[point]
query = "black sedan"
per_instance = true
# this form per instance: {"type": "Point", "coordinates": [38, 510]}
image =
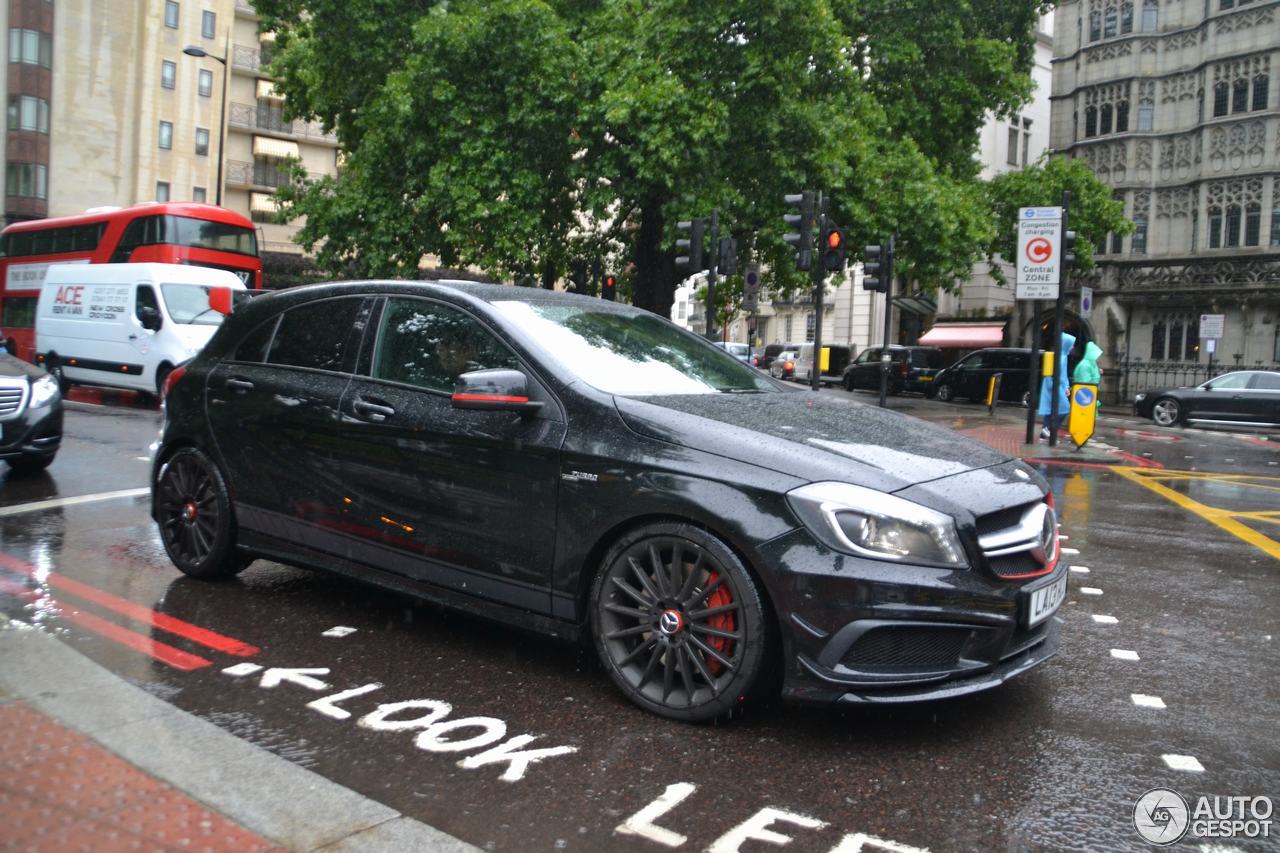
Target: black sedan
{"type": "Point", "coordinates": [30, 415]}
{"type": "Point", "coordinates": [1245, 398]}
{"type": "Point", "coordinates": [589, 470]}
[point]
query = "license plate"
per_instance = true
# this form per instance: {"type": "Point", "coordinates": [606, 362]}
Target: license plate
{"type": "Point", "coordinates": [926, 378]}
{"type": "Point", "coordinates": [1045, 601]}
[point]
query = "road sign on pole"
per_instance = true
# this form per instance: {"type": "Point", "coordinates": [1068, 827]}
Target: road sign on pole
{"type": "Point", "coordinates": [1086, 302]}
{"type": "Point", "coordinates": [1039, 262]}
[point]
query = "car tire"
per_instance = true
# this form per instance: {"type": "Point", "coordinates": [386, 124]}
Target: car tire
{"type": "Point", "coordinates": [30, 463]}
{"type": "Point", "coordinates": [848, 383]}
{"type": "Point", "coordinates": [945, 393]}
{"type": "Point", "coordinates": [1166, 412]}
{"type": "Point", "coordinates": [193, 510]}
{"type": "Point", "coordinates": [679, 623]}
{"type": "Point", "coordinates": [53, 365]}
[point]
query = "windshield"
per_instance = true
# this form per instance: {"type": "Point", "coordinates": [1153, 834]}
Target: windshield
{"type": "Point", "coordinates": [631, 354]}
{"type": "Point", "coordinates": [189, 304]}
{"type": "Point", "coordinates": [738, 349]}
{"type": "Point", "coordinates": [218, 236]}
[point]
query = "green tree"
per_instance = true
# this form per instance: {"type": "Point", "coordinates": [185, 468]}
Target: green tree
{"type": "Point", "coordinates": [1092, 215]}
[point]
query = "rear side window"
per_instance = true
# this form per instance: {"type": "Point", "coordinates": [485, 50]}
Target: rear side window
{"type": "Point", "coordinates": [926, 358]}
{"type": "Point", "coordinates": [1266, 381]}
{"type": "Point", "coordinates": [316, 335]}
{"type": "Point", "coordinates": [254, 347]}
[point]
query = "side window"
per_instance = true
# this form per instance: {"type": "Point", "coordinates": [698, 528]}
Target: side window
{"type": "Point", "coordinates": [1013, 361]}
{"type": "Point", "coordinates": [316, 335]}
{"type": "Point", "coordinates": [1266, 382]}
{"type": "Point", "coordinates": [130, 240]}
{"type": "Point", "coordinates": [254, 346]}
{"type": "Point", "coordinates": [973, 362]}
{"type": "Point", "coordinates": [1231, 382]}
{"type": "Point", "coordinates": [428, 344]}
{"type": "Point", "coordinates": [146, 299]}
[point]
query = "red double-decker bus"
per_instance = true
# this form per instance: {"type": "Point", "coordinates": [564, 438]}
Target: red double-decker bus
{"type": "Point", "coordinates": [159, 232]}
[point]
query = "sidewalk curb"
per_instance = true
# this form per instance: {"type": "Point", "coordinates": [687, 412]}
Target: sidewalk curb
{"type": "Point", "coordinates": [284, 803]}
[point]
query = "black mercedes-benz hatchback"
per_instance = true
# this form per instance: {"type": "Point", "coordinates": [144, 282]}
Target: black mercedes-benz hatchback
{"type": "Point", "coordinates": [587, 469]}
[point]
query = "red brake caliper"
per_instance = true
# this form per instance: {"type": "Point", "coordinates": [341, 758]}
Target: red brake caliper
{"type": "Point", "coordinates": [721, 622]}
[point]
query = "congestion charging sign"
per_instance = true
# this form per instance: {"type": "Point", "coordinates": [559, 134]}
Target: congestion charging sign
{"type": "Point", "coordinates": [1039, 261]}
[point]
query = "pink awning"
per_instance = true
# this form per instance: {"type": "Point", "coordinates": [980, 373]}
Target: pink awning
{"type": "Point", "coordinates": [964, 336]}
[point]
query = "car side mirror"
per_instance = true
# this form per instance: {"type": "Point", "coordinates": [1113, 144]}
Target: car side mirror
{"type": "Point", "coordinates": [498, 390]}
{"type": "Point", "coordinates": [150, 318]}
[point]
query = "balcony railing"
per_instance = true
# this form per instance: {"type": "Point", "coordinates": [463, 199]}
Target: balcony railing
{"type": "Point", "coordinates": [261, 174]}
{"type": "Point", "coordinates": [249, 58]}
{"type": "Point", "coordinates": [260, 117]}
{"type": "Point", "coordinates": [246, 8]}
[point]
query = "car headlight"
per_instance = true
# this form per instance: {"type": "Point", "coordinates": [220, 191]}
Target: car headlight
{"type": "Point", "coordinates": [43, 390]}
{"type": "Point", "coordinates": [1138, 398]}
{"type": "Point", "coordinates": [856, 520]}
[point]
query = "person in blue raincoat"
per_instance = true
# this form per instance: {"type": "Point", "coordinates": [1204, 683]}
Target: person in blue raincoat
{"type": "Point", "coordinates": [1046, 386]}
{"type": "Point", "coordinates": [1087, 371]}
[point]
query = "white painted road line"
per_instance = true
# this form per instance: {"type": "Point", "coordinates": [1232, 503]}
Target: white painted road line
{"type": "Point", "coordinates": [1071, 550]}
{"type": "Point", "coordinates": [1183, 762]}
{"type": "Point", "coordinates": [1090, 590]}
{"type": "Point", "coordinates": [1064, 537]}
{"type": "Point", "coordinates": [18, 509]}
{"type": "Point", "coordinates": [1080, 570]}
{"type": "Point", "coordinates": [338, 631]}
{"type": "Point", "coordinates": [242, 669]}
{"type": "Point", "coordinates": [1103, 619]}
{"type": "Point", "coordinates": [1124, 654]}
{"type": "Point", "coordinates": [1142, 700]}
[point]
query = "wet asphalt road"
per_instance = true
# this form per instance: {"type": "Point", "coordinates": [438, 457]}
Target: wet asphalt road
{"type": "Point", "coordinates": [1054, 760]}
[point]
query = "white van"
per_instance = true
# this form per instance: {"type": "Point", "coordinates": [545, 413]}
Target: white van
{"type": "Point", "coordinates": [128, 325]}
{"type": "Point", "coordinates": [838, 358]}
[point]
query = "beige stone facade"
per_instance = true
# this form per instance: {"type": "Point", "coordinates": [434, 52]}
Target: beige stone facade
{"type": "Point", "coordinates": [131, 118]}
{"type": "Point", "coordinates": [1176, 105]}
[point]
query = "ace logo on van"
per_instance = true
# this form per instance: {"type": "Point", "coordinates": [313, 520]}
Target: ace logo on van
{"type": "Point", "coordinates": [70, 299]}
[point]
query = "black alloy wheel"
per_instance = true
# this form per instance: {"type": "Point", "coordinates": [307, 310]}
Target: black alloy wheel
{"type": "Point", "coordinates": [945, 393]}
{"type": "Point", "coordinates": [679, 623]}
{"type": "Point", "coordinates": [194, 513]}
{"type": "Point", "coordinates": [848, 382]}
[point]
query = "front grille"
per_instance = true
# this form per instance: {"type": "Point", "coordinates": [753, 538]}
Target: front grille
{"type": "Point", "coordinates": [1013, 540]}
{"type": "Point", "coordinates": [1013, 565]}
{"type": "Point", "coordinates": [12, 399]}
{"type": "Point", "coordinates": [906, 648]}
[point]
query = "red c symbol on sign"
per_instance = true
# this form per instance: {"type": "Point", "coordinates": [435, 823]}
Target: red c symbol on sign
{"type": "Point", "coordinates": [1039, 250]}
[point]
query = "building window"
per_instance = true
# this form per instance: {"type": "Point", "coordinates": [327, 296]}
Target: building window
{"type": "Point", "coordinates": [1122, 117]}
{"type": "Point", "coordinates": [1146, 115]}
{"type": "Point", "coordinates": [1126, 18]}
{"type": "Point", "coordinates": [809, 328]}
{"type": "Point", "coordinates": [30, 47]}
{"type": "Point", "coordinates": [1150, 15]}
{"type": "Point", "coordinates": [1117, 244]}
{"type": "Point", "coordinates": [1252, 224]}
{"type": "Point", "coordinates": [1215, 228]}
{"type": "Point", "coordinates": [28, 113]}
{"type": "Point", "coordinates": [166, 135]}
{"type": "Point", "coordinates": [168, 74]}
{"type": "Point", "coordinates": [205, 86]}
{"type": "Point", "coordinates": [786, 330]}
{"type": "Point", "coordinates": [1012, 158]}
{"type": "Point", "coordinates": [1221, 98]}
{"type": "Point", "coordinates": [1090, 122]}
{"type": "Point", "coordinates": [199, 194]}
{"type": "Point", "coordinates": [208, 22]}
{"type": "Point", "coordinates": [1195, 229]}
{"type": "Point", "coordinates": [162, 190]}
{"type": "Point", "coordinates": [29, 180]}
{"type": "Point", "coordinates": [1138, 245]}
{"type": "Point", "coordinates": [1227, 4]}
{"type": "Point", "coordinates": [1026, 140]}
{"type": "Point", "coordinates": [1233, 226]}
{"type": "Point", "coordinates": [1275, 223]}
{"type": "Point", "coordinates": [1109, 22]}
{"type": "Point", "coordinates": [1260, 86]}
{"type": "Point", "coordinates": [1157, 340]}
{"type": "Point", "coordinates": [1240, 96]}
{"type": "Point", "coordinates": [1192, 350]}
{"type": "Point", "coordinates": [202, 141]}
{"type": "Point", "coordinates": [1095, 26]}
{"type": "Point", "coordinates": [1105, 126]}
{"type": "Point", "coordinates": [171, 14]}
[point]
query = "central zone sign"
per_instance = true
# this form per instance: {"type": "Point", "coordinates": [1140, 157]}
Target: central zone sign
{"type": "Point", "coordinates": [1038, 262]}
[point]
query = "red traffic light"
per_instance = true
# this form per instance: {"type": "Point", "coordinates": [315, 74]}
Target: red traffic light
{"type": "Point", "coordinates": [834, 238]}
{"type": "Point", "coordinates": [609, 281]}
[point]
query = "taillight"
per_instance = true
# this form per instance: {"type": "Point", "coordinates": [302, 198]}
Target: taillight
{"type": "Point", "coordinates": [903, 370]}
{"type": "Point", "coordinates": [788, 366]}
{"type": "Point", "coordinates": [171, 380]}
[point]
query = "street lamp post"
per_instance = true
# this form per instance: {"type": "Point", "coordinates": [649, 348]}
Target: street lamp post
{"type": "Point", "coordinates": [196, 51]}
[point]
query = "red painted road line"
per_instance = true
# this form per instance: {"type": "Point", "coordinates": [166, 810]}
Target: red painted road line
{"type": "Point", "coordinates": [166, 654]}
{"type": "Point", "coordinates": [17, 590]}
{"type": "Point", "coordinates": [1140, 461]}
{"type": "Point", "coordinates": [147, 616]}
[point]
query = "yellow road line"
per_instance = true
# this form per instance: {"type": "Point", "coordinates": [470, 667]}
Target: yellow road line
{"type": "Point", "coordinates": [1222, 518]}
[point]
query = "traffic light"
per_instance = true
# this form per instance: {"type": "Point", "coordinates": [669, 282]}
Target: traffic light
{"type": "Point", "coordinates": [833, 256]}
{"type": "Point", "coordinates": [802, 237]}
{"type": "Point", "coordinates": [691, 260]}
{"type": "Point", "coordinates": [877, 269]}
{"type": "Point", "coordinates": [1068, 249]}
{"type": "Point", "coordinates": [728, 256]}
{"type": "Point", "coordinates": [610, 288]}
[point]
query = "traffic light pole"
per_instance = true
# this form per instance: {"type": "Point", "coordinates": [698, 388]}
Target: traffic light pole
{"type": "Point", "coordinates": [1059, 369]}
{"type": "Point", "coordinates": [885, 359]}
{"type": "Point", "coordinates": [819, 284]}
{"type": "Point", "coordinates": [1033, 373]}
{"type": "Point", "coordinates": [714, 274]}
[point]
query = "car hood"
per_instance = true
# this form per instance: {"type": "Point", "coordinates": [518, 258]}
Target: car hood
{"type": "Point", "coordinates": [13, 367]}
{"type": "Point", "coordinates": [810, 436]}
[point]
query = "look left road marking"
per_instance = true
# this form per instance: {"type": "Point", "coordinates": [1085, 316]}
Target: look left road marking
{"type": "Point", "coordinates": [37, 506]}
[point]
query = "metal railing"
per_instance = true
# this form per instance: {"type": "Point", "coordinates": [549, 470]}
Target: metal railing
{"type": "Point", "coordinates": [261, 117]}
{"type": "Point", "coordinates": [261, 174]}
{"type": "Point", "coordinates": [1120, 383]}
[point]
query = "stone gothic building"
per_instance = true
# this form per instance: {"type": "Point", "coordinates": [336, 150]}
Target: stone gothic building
{"type": "Point", "coordinates": [1174, 104]}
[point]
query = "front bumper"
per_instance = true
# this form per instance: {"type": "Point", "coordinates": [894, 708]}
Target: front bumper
{"type": "Point", "coordinates": [866, 631]}
{"type": "Point", "coordinates": [35, 432]}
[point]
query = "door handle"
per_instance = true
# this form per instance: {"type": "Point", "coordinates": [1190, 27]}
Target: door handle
{"type": "Point", "coordinates": [373, 411]}
{"type": "Point", "coordinates": [239, 384]}
{"type": "Point", "coordinates": [133, 337]}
